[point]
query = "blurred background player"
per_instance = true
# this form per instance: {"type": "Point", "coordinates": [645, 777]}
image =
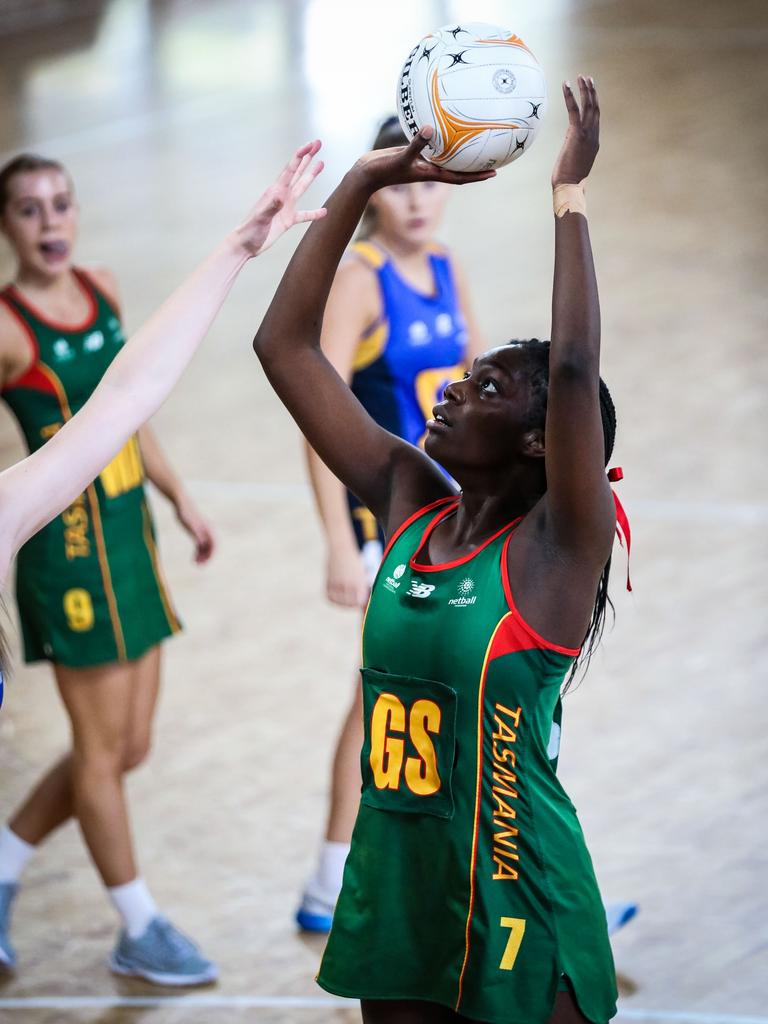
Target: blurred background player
{"type": "Point", "coordinates": [398, 327]}
{"type": "Point", "coordinates": [90, 592]}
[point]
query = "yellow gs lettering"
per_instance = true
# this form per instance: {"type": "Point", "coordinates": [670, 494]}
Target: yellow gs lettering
{"type": "Point", "coordinates": [389, 724]}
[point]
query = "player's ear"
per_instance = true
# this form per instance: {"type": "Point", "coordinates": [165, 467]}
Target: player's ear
{"type": "Point", "coordinates": [533, 444]}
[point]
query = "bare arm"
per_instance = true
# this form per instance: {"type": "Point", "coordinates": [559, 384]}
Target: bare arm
{"type": "Point", "coordinates": [359, 452]}
{"type": "Point", "coordinates": [162, 475]}
{"type": "Point", "coordinates": [353, 304]}
{"type": "Point", "coordinates": [36, 489]}
{"type": "Point", "coordinates": [578, 500]}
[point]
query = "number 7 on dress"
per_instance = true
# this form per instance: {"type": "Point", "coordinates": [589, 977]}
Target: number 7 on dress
{"type": "Point", "coordinates": [517, 930]}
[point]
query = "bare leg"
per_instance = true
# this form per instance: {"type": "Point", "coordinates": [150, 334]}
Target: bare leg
{"type": "Point", "coordinates": [345, 778]}
{"type": "Point", "coordinates": [406, 1011]}
{"type": "Point", "coordinates": [48, 806]}
{"type": "Point", "coordinates": [51, 802]}
{"type": "Point", "coordinates": [412, 1011]}
{"type": "Point", "coordinates": [566, 1011]}
{"type": "Point", "coordinates": [144, 696]}
{"type": "Point", "coordinates": [322, 889]}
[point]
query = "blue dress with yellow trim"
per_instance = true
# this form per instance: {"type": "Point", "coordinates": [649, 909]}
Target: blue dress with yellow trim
{"type": "Point", "coordinates": [405, 359]}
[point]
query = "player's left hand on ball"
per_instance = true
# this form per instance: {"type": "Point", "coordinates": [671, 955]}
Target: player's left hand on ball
{"type": "Point", "coordinates": [582, 140]}
{"type": "Point", "coordinates": [196, 526]}
{"type": "Point", "coordinates": [402, 164]}
{"type": "Point", "coordinates": [276, 211]}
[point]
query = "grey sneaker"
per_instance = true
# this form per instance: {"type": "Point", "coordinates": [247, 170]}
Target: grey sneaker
{"type": "Point", "coordinates": [8, 891]}
{"type": "Point", "coordinates": [162, 955]}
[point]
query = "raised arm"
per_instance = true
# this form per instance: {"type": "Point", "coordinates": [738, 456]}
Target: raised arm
{"type": "Point", "coordinates": [359, 452]}
{"type": "Point", "coordinates": [36, 489]}
{"type": "Point", "coordinates": [354, 303]}
{"type": "Point", "coordinates": [579, 503]}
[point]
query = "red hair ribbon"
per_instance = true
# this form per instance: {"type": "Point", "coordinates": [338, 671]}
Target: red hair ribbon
{"type": "Point", "coordinates": [623, 531]}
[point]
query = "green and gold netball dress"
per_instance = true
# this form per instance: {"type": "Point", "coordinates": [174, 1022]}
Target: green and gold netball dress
{"type": "Point", "coordinates": [468, 882]}
{"type": "Point", "coordinates": [88, 585]}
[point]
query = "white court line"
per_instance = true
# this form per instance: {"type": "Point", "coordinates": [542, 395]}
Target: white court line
{"type": "Point", "coordinates": [730, 513]}
{"type": "Point", "coordinates": [190, 1002]}
{"type": "Point", "coordinates": [309, 1003]}
{"type": "Point", "coordinates": [681, 1017]}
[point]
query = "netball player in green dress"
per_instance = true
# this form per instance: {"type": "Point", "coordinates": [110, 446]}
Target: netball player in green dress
{"type": "Point", "coordinates": [469, 893]}
{"type": "Point", "coordinates": [89, 589]}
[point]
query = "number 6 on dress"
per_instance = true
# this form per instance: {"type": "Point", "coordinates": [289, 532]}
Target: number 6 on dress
{"type": "Point", "coordinates": [517, 930]}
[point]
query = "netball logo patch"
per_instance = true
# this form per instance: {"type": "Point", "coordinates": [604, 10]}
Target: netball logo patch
{"type": "Point", "coordinates": [464, 590]}
{"type": "Point", "coordinates": [391, 583]}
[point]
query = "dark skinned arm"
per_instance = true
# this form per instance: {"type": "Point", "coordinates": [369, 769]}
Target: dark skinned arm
{"type": "Point", "coordinates": [567, 540]}
{"type": "Point", "coordinates": [389, 475]}
{"type": "Point", "coordinates": [579, 505]}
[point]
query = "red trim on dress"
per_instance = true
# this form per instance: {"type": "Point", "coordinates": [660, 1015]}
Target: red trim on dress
{"type": "Point", "coordinates": [89, 321]}
{"type": "Point", "coordinates": [572, 652]}
{"type": "Point", "coordinates": [456, 561]}
{"type": "Point", "coordinates": [90, 282]}
{"type": "Point", "coordinates": [404, 526]}
{"type": "Point", "coordinates": [478, 807]}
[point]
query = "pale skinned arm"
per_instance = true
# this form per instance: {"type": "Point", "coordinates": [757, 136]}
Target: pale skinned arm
{"type": "Point", "coordinates": [353, 304]}
{"type": "Point", "coordinates": [140, 378]}
{"type": "Point", "coordinates": [159, 470]}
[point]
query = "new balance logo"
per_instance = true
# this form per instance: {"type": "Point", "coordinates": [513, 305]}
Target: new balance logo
{"type": "Point", "coordinates": [419, 589]}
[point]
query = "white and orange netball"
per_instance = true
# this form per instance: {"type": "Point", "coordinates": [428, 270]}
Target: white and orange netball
{"type": "Point", "coordinates": [482, 91]}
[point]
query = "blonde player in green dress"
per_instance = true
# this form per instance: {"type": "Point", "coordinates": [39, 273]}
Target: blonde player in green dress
{"type": "Point", "coordinates": [469, 893]}
{"type": "Point", "coordinates": [90, 592]}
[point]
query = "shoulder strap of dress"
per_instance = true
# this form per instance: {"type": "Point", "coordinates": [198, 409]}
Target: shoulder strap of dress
{"type": "Point", "coordinates": [89, 283]}
{"type": "Point", "coordinates": [414, 517]}
{"type": "Point", "coordinates": [11, 298]}
{"type": "Point", "coordinates": [369, 254]}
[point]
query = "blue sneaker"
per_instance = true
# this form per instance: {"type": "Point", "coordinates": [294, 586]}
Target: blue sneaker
{"type": "Point", "coordinates": [314, 914]}
{"type": "Point", "coordinates": [162, 955]}
{"type": "Point", "coordinates": [618, 914]}
{"type": "Point", "coordinates": [8, 891]}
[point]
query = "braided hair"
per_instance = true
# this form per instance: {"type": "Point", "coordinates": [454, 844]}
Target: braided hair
{"type": "Point", "coordinates": [537, 365]}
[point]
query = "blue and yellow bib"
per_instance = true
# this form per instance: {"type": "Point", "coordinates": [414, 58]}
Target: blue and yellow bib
{"type": "Point", "coordinates": [417, 346]}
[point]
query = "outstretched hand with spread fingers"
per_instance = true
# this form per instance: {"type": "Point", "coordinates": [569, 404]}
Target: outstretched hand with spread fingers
{"type": "Point", "coordinates": [582, 140]}
{"type": "Point", "coordinates": [276, 210]}
{"type": "Point", "coordinates": [401, 164]}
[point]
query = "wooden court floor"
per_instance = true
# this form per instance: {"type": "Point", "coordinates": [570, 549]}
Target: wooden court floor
{"type": "Point", "coordinates": [171, 117]}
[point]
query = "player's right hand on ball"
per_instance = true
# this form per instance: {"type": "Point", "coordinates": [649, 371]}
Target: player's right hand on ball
{"type": "Point", "coordinates": [402, 164]}
{"type": "Point", "coordinates": [276, 211]}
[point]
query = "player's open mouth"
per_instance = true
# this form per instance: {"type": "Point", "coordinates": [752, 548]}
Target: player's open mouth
{"type": "Point", "coordinates": [55, 250]}
{"type": "Point", "coordinates": [438, 421]}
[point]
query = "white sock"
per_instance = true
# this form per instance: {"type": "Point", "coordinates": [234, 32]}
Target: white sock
{"type": "Point", "coordinates": [326, 882]}
{"type": "Point", "coordinates": [15, 852]}
{"type": "Point", "coordinates": [134, 904]}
